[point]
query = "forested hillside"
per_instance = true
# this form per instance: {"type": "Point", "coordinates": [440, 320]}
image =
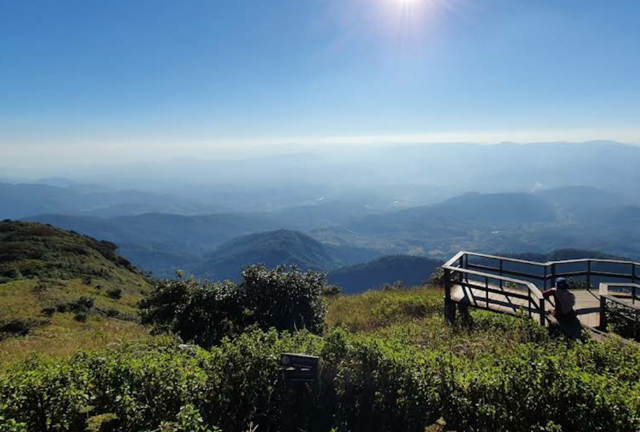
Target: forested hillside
{"type": "Point", "coordinates": [406, 269]}
{"type": "Point", "coordinates": [274, 248]}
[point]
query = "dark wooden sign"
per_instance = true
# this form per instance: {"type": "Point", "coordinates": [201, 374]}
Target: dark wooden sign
{"type": "Point", "coordinates": [299, 367]}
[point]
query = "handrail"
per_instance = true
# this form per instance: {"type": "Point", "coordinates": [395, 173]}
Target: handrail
{"type": "Point", "coordinates": [548, 263]}
{"type": "Point", "coordinates": [529, 285]}
{"type": "Point", "coordinates": [462, 259]}
{"type": "Point", "coordinates": [461, 264]}
{"type": "Point", "coordinates": [606, 296]}
{"type": "Point", "coordinates": [455, 265]}
{"type": "Point", "coordinates": [620, 302]}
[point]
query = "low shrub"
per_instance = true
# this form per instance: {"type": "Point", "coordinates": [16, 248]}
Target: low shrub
{"type": "Point", "coordinates": [115, 293]}
{"type": "Point", "coordinates": [112, 313]}
{"type": "Point", "coordinates": [204, 313]}
{"type": "Point", "coordinates": [81, 305]}
{"type": "Point", "coordinates": [48, 311]}
{"type": "Point", "coordinates": [17, 327]}
{"type": "Point", "coordinates": [365, 383]}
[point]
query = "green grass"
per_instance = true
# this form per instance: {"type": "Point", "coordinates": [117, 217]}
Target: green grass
{"type": "Point", "coordinates": [44, 269]}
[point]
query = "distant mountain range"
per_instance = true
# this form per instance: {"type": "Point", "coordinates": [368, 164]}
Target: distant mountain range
{"type": "Point", "coordinates": [571, 217]}
{"type": "Point", "coordinates": [66, 197]}
{"type": "Point", "coordinates": [352, 208]}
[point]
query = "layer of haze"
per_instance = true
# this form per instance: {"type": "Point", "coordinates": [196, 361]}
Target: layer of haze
{"type": "Point", "coordinates": [120, 81]}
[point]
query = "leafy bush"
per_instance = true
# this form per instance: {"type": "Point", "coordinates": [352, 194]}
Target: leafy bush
{"type": "Point", "coordinates": [112, 313]}
{"type": "Point", "coordinates": [17, 327]}
{"type": "Point", "coordinates": [204, 312]}
{"type": "Point", "coordinates": [48, 311]}
{"type": "Point", "coordinates": [366, 383]}
{"type": "Point", "coordinates": [331, 291]}
{"type": "Point", "coordinates": [499, 373]}
{"type": "Point", "coordinates": [81, 305]}
{"type": "Point", "coordinates": [115, 293]}
{"type": "Point", "coordinates": [285, 300]}
{"type": "Point", "coordinates": [437, 277]}
{"type": "Point", "coordinates": [622, 321]}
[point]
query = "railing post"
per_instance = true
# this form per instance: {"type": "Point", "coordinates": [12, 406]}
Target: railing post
{"type": "Point", "coordinates": [449, 306]}
{"type": "Point", "coordinates": [486, 285]}
{"type": "Point", "coordinates": [543, 314]}
{"type": "Point", "coordinates": [501, 271]}
{"type": "Point", "coordinates": [529, 307]}
{"type": "Point", "coordinates": [545, 278]}
{"type": "Point", "coordinates": [603, 314]}
{"type": "Point", "coordinates": [589, 274]}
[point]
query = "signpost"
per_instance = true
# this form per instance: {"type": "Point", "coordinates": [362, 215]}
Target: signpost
{"type": "Point", "coordinates": [299, 367]}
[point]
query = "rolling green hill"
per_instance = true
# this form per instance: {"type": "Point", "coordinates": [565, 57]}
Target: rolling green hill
{"type": "Point", "coordinates": [63, 290]}
{"type": "Point", "coordinates": [271, 248]}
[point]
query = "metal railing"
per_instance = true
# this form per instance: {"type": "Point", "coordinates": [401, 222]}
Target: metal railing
{"type": "Point", "coordinates": [624, 296]}
{"type": "Point", "coordinates": [470, 270]}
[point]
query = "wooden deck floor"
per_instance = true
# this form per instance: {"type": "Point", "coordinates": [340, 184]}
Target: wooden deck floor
{"type": "Point", "coordinates": [587, 302]}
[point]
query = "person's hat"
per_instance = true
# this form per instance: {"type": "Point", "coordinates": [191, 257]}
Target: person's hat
{"type": "Point", "coordinates": [561, 283]}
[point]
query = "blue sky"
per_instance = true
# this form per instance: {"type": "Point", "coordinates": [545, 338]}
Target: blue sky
{"type": "Point", "coordinates": [171, 76]}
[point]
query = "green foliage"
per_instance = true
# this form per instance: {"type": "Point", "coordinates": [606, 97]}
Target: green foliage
{"type": "Point", "coordinates": [199, 312]}
{"type": "Point", "coordinates": [271, 248]}
{"type": "Point", "coordinates": [622, 321]}
{"type": "Point", "coordinates": [331, 291]}
{"type": "Point", "coordinates": [401, 369]}
{"type": "Point", "coordinates": [18, 327]}
{"type": "Point", "coordinates": [366, 383]}
{"type": "Point", "coordinates": [115, 293]}
{"type": "Point", "coordinates": [437, 277]}
{"type": "Point", "coordinates": [205, 313]}
{"type": "Point", "coordinates": [32, 250]}
{"type": "Point", "coordinates": [81, 317]}
{"type": "Point", "coordinates": [285, 300]}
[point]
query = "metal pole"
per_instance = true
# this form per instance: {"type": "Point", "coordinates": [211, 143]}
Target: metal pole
{"type": "Point", "coordinates": [543, 314]}
{"type": "Point", "coordinates": [589, 274]}
{"type": "Point", "coordinates": [449, 307]}
{"type": "Point", "coordinates": [486, 284]}
{"type": "Point", "coordinates": [603, 314]}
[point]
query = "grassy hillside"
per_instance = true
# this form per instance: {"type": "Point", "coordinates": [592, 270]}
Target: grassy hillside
{"type": "Point", "coordinates": [60, 290]}
{"type": "Point", "coordinates": [272, 248]}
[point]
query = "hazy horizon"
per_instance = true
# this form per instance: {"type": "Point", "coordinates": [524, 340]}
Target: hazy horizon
{"type": "Point", "coordinates": [86, 83]}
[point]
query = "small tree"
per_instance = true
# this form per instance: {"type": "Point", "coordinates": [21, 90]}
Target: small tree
{"type": "Point", "coordinates": [205, 312]}
{"type": "Point", "coordinates": [286, 300]}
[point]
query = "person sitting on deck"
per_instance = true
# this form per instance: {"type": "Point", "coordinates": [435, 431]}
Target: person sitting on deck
{"type": "Point", "coordinates": [565, 301]}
